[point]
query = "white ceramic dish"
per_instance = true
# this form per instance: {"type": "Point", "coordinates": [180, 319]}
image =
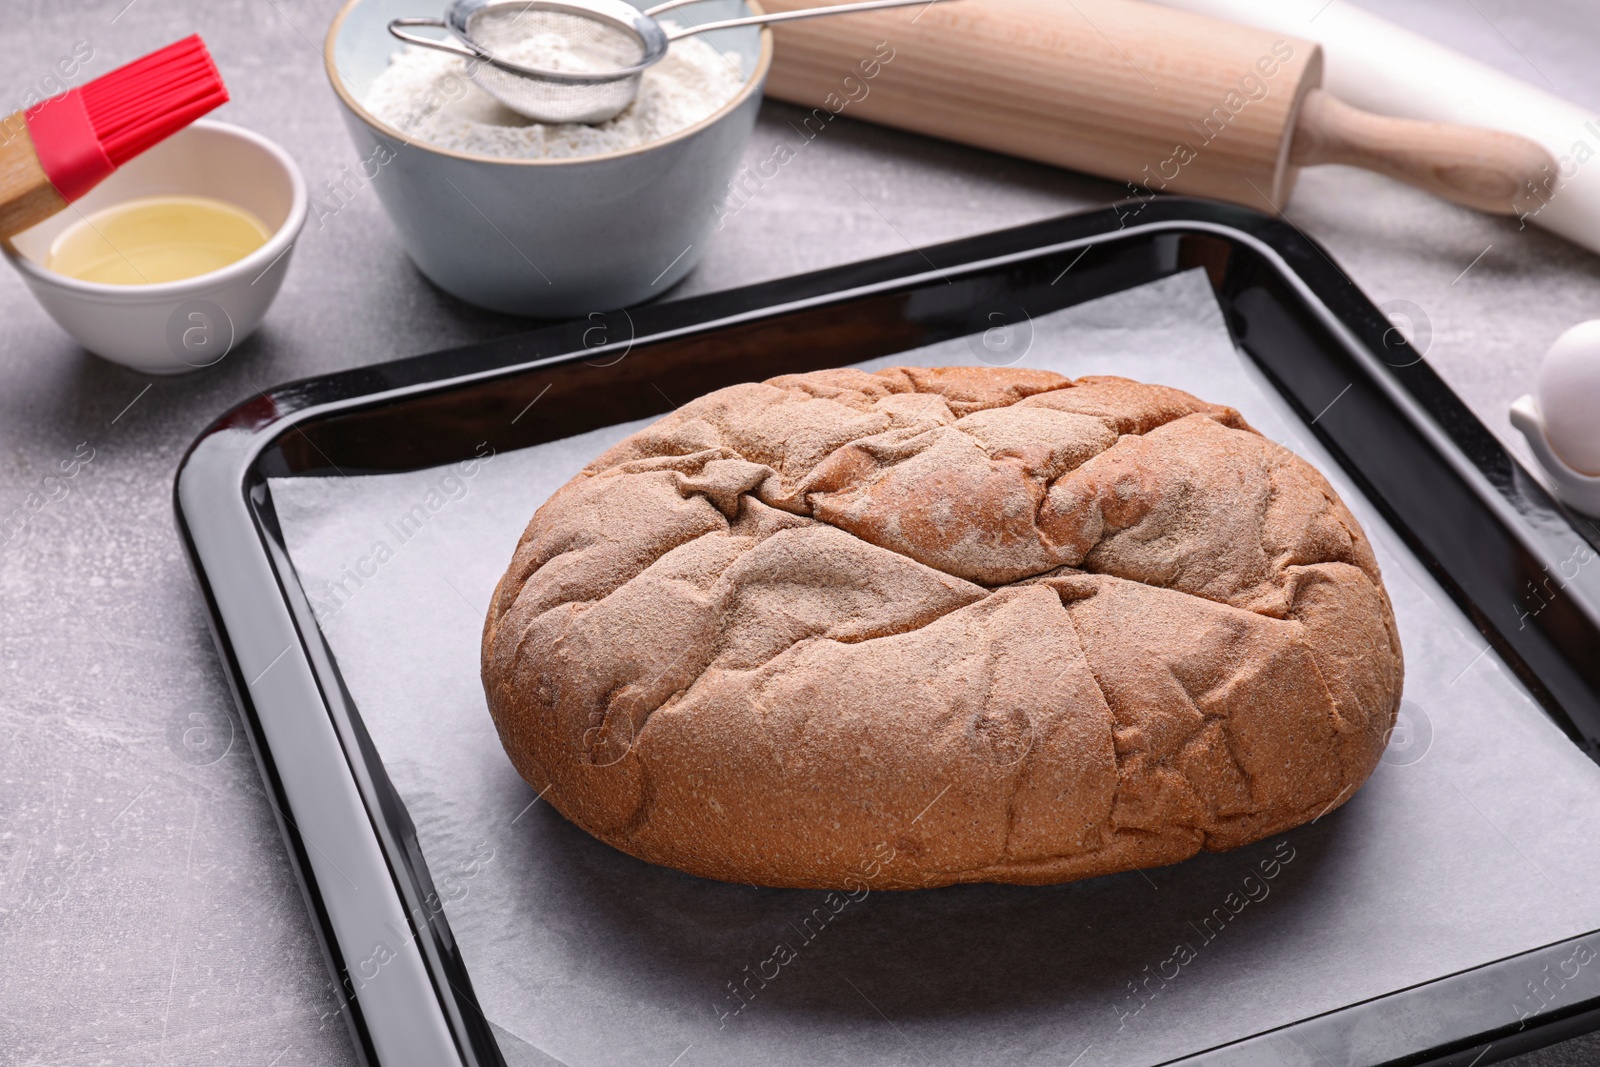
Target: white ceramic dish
{"type": "Point", "coordinates": [1580, 490]}
{"type": "Point", "coordinates": [548, 237]}
{"type": "Point", "coordinates": [173, 327]}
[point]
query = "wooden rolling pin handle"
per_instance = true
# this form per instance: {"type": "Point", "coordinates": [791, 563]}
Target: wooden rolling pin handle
{"type": "Point", "coordinates": [1492, 171]}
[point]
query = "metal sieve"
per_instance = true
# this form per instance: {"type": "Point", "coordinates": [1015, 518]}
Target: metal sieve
{"type": "Point", "coordinates": [607, 44]}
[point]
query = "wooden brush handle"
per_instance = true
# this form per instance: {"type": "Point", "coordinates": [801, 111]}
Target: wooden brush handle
{"type": "Point", "coordinates": [26, 195]}
{"type": "Point", "coordinates": [1483, 169]}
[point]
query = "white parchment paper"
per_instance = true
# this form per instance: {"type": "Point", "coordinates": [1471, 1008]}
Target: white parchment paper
{"type": "Point", "coordinates": [1474, 840]}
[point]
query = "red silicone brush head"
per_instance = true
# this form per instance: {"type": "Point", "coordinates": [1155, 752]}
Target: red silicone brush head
{"type": "Point", "coordinates": [84, 134]}
{"type": "Point", "coordinates": [150, 99]}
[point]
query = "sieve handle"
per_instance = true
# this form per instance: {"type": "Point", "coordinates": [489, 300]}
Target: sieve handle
{"type": "Point", "coordinates": [782, 16]}
{"type": "Point", "coordinates": [395, 29]}
{"type": "Point", "coordinates": [670, 5]}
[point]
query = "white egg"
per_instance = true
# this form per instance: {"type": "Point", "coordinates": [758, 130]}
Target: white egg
{"type": "Point", "coordinates": [1569, 397]}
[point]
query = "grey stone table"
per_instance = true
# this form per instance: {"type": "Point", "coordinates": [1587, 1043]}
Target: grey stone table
{"type": "Point", "coordinates": [148, 913]}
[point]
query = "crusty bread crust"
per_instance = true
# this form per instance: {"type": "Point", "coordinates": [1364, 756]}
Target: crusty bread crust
{"type": "Point", "coordinates": [923, 626]}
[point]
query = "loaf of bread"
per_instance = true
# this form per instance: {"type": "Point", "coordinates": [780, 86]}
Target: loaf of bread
{"type": "Point", "coordinates": [928, 626]}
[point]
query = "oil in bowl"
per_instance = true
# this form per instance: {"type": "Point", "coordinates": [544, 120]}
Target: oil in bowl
{"type": "Point", "coordinates": [155, 239]}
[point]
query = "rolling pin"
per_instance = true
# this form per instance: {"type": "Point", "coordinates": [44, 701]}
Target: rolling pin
{"type": "Point", "coordinates": [1375, 64]}
{"type": "Point", "coordinates": [1164, 100]}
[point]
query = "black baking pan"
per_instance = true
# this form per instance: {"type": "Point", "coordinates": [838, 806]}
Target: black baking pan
{"type": "Point", "coordinates": [1481, 525]}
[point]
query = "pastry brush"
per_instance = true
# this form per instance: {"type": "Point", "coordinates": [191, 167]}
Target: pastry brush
{"type": "Point", "coordinates": [54, 152]}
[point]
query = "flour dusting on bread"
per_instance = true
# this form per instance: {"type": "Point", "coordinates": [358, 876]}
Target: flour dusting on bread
{"type": "Point", "coordinates": [998, 624]}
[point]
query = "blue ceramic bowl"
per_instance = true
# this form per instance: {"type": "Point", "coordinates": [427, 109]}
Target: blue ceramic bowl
{"type": "Point", "coordinates": [557, 238]}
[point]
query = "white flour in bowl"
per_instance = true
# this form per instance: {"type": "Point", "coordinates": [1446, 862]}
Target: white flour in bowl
{"type": "Point", "coordinates": [426, 95]}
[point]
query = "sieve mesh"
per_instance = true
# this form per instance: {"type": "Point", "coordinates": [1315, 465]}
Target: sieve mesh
{"type": "Point", "coordinates": [547, 38]}
{"type": "Point", "coordinates": [556, 102]}
{"type": "Point", "coordinates": [563, 54]}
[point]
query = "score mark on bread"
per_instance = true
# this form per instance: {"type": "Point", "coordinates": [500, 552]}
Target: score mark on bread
{"type": "Point", "coordinates": [1016, 627]}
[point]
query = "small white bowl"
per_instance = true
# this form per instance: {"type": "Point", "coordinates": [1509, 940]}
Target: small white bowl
{"type": "Point", "coordinates": [1580, 490]}
{"type": "Point", "coordinates": [173, 327]}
